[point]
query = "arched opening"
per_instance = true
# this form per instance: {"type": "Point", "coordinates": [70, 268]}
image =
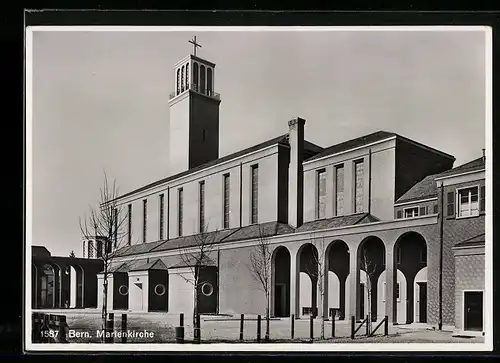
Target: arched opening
{"type": "Point", "coordinates": [187, 76]}
{"type": "Point", "coordinates": [73, 287]}
{"type": "Point", "coordinates": [195, 77]}
{"type": "Point", "coordinates": [202, 79]}
{"type": "Point", "coordinates": [308, 280]}
{"type": "Point", "coordinates": [410, 251]}
{"type": "Point", "coordinates": [371, 260]}
{"type": "Point", "coordinates": [280, 275]}
{"type": "Point", "coordinates": [209, 81]}
{"type": "Point", "coordinates": [34, 286]}
{"type": "Point", "coordinates": [47, 287]}
{"type": "Point", "coordinates": [182, 79]}
{"type": "Point", "coordinates": [337, 262]}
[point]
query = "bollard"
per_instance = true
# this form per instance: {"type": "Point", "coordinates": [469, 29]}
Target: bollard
{"type": "Point", "coordinates": [124, 328]}
{"type": "Point", "coordinates": [333, 324]}
{"type": "Point", "coordinates": [311, 327]}
{"type": "Point", "coordinates": [293, 325]}
{"type": "Point", "coordinates": [62, 329]}
{"type": "Point", "coordinates": [353, 321]}
{"type": "Point", "coordinates": [258, 328]}
{"type": "Point", "coordinates": [110, 325]}
{"type": "Point", "coordinates": [242, 319]}
{"type": "Point", "coordinates": [386, 325]}
{"type": "Point", "coordinates": [179, 330]}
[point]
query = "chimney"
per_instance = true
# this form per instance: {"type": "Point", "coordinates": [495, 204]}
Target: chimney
{"type": "Point", "coordinates": [295, 172]}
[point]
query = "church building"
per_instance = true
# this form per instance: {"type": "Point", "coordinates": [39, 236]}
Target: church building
{"type": "Point", "coordinates": [380, 215]}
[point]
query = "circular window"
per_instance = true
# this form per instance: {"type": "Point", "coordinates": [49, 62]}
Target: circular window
{"type": "Point", "coordinates": [123, 290]}
{"type": "Point", "coordinates": [207, 289]}
{"type": "Point", "coordinates": [160, 290]}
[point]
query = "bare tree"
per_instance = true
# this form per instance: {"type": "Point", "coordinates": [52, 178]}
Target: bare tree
{"type": "Point", "coordinates": [196, 257]}
{"type": "Point", "coordinates": [317, 271]}
{"type": "Point", "coordinates": [370, 269]}
{"type": "Point", "coordinates": [260, 268]}
{"type": "Point", "coordinates": [104, 223]}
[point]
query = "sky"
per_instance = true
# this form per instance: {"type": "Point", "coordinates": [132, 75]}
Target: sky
{"type": "Point", "coordinates": [100, 102]}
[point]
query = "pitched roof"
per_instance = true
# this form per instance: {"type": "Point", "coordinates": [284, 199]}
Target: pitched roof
{"type": "Point", "coordinates": [476, 164]}
{"type": "Point", "coordinates": [153, 265]}
{"type": "Point", "coordinates": [277, 140]}
{"type": "Point", "coordinates": [335, 222]}
{"type": "Point", "coordinates": [474, 241]}
{"type": "Point", "coordinates": [191, 261]}
{"type": "Point", "coordinates": [351, 144]}
{"type": "Point", "coordinates": [426, 188]}
{"type": "Point", "coordinates": [267, 229]}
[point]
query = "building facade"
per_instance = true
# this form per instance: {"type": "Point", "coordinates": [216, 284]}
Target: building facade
{"type": "Point", "coordinates": [363, 218]}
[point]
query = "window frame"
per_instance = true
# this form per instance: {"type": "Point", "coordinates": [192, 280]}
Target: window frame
{"type": "Point", "coordinates": [320, 172]}
{"type": "Point", "coordinates": [161, 202]}
{"type": "Point", "coordinates": [254, 218]}
{"type": "Point", "coordinates": [457, 200]}
{"type": "Point", "coordinates": [413, 216]}
{"type": "Point", "coordinates": [336, 168]}
{"type": "Point", "coordinates": [180, 211]}
{"type": "Point", "coordinates": [355, 188]}
{"type": "Point", "coordinates": [144, 220]}
{"type": "Point", "coordinates": [201, 206]}
{"type": "Point", "coordinates": [224, 211]}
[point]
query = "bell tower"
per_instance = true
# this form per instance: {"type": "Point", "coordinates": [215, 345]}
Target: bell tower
{"type": "Point", "coordinates": [194, 114]}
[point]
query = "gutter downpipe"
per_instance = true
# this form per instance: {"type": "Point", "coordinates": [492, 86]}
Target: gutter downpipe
{"type": "Point", "coordinates": [441, 227]}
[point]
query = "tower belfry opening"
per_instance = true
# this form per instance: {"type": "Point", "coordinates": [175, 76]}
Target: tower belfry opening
{"type": "Point", "coordinates": [194, 113]}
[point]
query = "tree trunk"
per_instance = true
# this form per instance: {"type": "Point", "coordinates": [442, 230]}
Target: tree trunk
{"type": "Point", "coordinates": [105, 303]}
{"type": "Point", "coordinates": [267, 316]}
{"type": "Point", "coordinates": [322, 315]}
{"type": "Point", "coordinates": [369, 293]}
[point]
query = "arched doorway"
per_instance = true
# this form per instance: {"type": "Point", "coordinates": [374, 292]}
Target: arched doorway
{"type": "Point", "coordinates": [308, 279]}
{"type": "Point", "coordinates": [337, 262]}
{"type": "Point", "coordinates": [371, 260]}
{"type": "Point", "coordinates": [280, 293]}
{"type": "Point", "coordinates": [420, 294]}
{"type": "Point", "coordinates": [410, 256]}
{"type": "Point", "coordinates": [47, 287]}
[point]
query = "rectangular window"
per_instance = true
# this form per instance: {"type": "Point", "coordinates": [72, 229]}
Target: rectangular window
{"type": "Point", "coordinates": [435, 209]}
{"type": "Point", "coordinates": [321, 194]}
{"type": "Point", "coordinates": [482, 203]}
{"type": "Point", "coordinates": [226, 200]}
{"type": "Point", "coordinates": [255, 194]}
{"type": "Point", "coordinates": [450, 205]}
{"type": "Point", "coordinates": [129, 230]}
{"type": "Point", "coordinates": [468, 202]}
{"type": "Point", "coordinates": [202, 207]}
{"type": "Point", "coordinates": [399, 214]}
{"type": "Point", "coordinates": [358, 182]}
{"type": "Point", "coordinates": [411, 212]}
{"type": "Point", "coordinates": [422, 211]}
{"type": "Point", "coordinates": [162, 215]}
{"type": "Point", "coordinates": [398, 255]}
{"type": "Point", "coordinates": [144, 219]}
{"type": "Point", "coordinates": [339, 190]}
{"type": "Point", "coordinates": [180, 211]}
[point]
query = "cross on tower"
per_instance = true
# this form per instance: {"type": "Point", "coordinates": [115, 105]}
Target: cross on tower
{"type": "Point", "coordinates": [193, 41]}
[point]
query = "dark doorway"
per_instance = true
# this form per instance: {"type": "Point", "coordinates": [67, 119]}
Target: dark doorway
{"type": "Point", "coordinates": [361, 301]}
{"type": "Point", "coordinates": [280, 300]}
{"type": "Point", "coordinates": [422, 302]}
{"type": "Point", "coordinates": [473, 305]}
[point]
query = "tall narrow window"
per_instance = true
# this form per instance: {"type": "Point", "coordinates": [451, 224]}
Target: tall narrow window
{"type": "Point", "coordinates": [255, 194]}
{"type": "Point", "coordinates": [358, 181]}
{"type": "Point", "coordinates": [202, 206]}
{"type": "Point", "coordinates": [144, 219]}
{"type": "Point", "coordinates": [182, 79]}
{"type": "Point", "coordinates": [339, 190]}
{"type": "Point", "coordinates": [209, 81]}
{"type": "Point", "coordinates": [202, 79]}
{"type": "Point", "coordinates": [321, 194]}
{"type": "Point", "coordinates": [178, 81]}
{"type": "Point", "coordinates": [180, 211]}
{"type": "Point", "coordinates": [195, 77]}
{"type": "Point", "coordinates": [129, 229]}
{"type": "Point", "coordinates": [187, 76]}
{"type": "Point", "coordinates": [162, 215]}
{"type": "Point", "coordinates": [468, 202]}
{"type": "Point", "coordinates": [226, 201]}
